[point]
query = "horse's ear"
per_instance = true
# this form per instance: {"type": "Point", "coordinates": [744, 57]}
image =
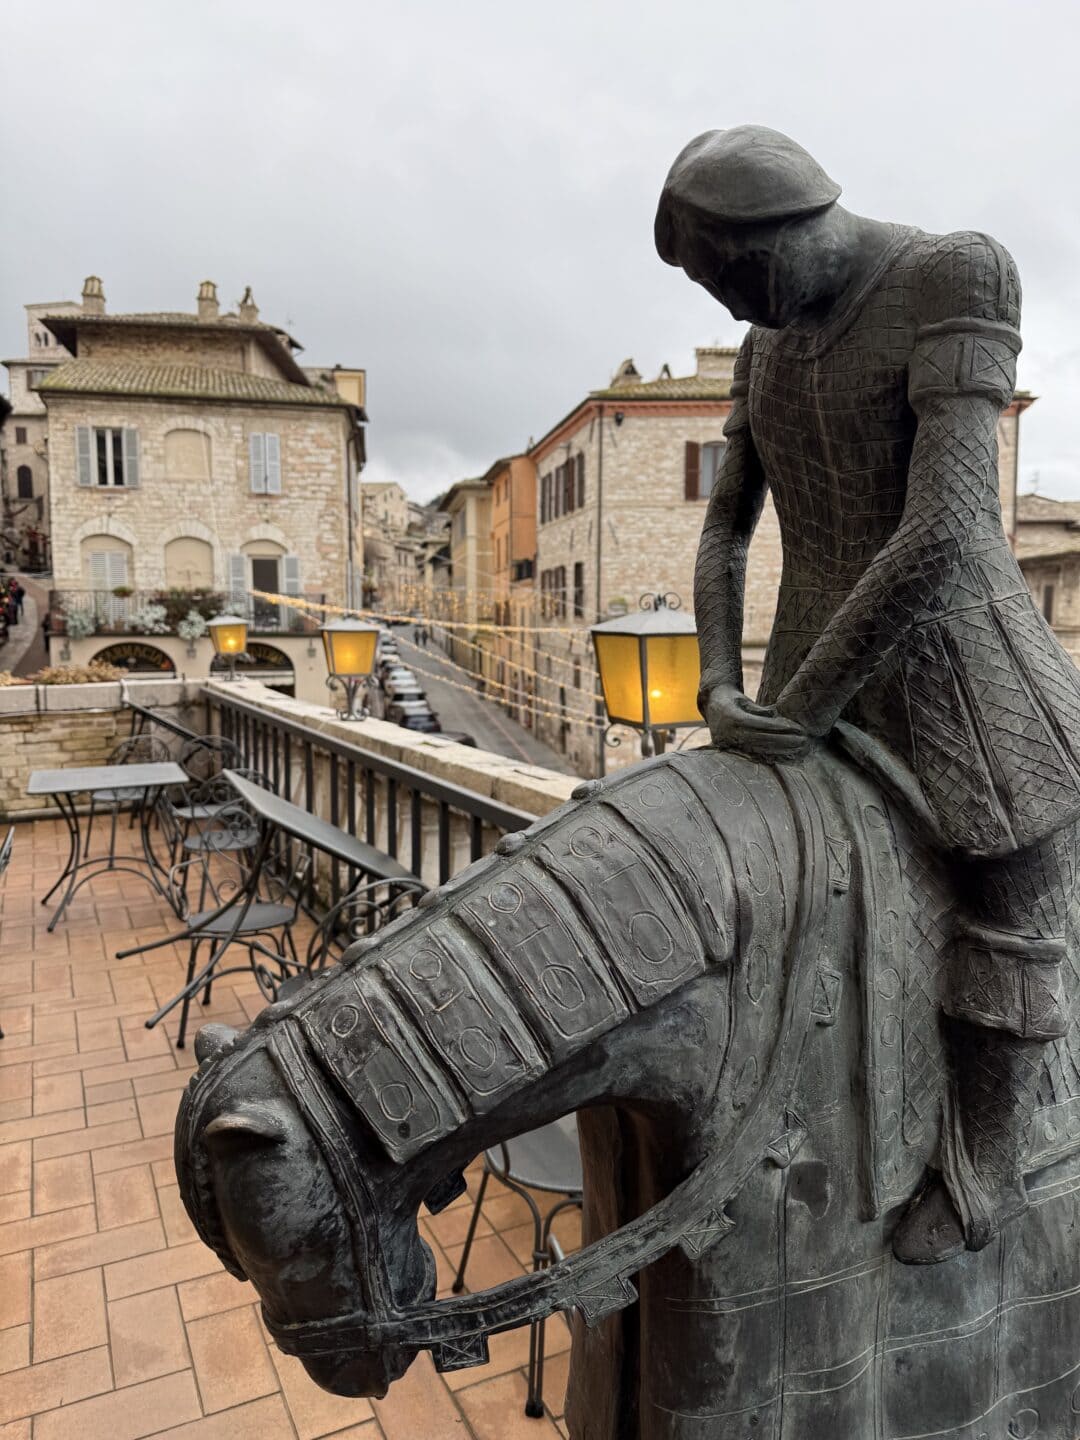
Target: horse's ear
{"type": "Point", "coordinates": [240, 1128]}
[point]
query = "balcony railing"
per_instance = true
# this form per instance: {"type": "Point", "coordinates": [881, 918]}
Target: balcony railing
{"type": "Point", "coordinates": [159, 612]}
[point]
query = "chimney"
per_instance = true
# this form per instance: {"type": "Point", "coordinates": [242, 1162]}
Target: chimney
{"type": "Point", "coordinates": [93, 296]}
{"type": "Point", "coordinates": [208, 301]}
{"type": "Point", "coordinates": [626, 374]}
{"type": "Point", "coordinates": [716, 362]}
{"type": "Point", "coordinates": [249, 311]}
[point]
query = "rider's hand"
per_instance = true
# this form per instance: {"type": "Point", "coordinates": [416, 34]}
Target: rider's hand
{"type": "Point", "coordinates": [738, 723]}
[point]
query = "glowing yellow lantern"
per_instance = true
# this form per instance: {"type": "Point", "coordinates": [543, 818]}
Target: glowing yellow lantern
{"type": "Point", "coordinates": [350, 659]}
{"type": "Point", "coordinates": [650, 670]}
{"type": "Point", "coordinates": [229, 634]}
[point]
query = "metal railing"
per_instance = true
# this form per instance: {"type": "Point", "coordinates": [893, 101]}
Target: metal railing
{"type": "Point", "coordinates": [431, 826]}
{"type": "Point", "coordinates": [127, 612]}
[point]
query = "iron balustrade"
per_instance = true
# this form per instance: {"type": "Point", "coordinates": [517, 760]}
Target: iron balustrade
{"type": "Point", "coordinates": [391, 805]}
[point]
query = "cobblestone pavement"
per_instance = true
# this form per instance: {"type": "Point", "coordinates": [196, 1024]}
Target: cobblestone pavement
{"type": "Point", "coordinates": [115, 1321]}
{"type": "Point", "coordinates": [485, 721]}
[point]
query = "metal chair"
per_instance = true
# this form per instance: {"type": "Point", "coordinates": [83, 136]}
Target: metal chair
{"type": "Point", "coordinates": [137, 750]}
{"type": "Point", "coordinates": [204, 756]}
{"type": "Point", "coordinates": [546, 1159]}
{"type": "Point", "coordinates": [5, 860]}
{"type": "Point", "coordinates": [256, 911]}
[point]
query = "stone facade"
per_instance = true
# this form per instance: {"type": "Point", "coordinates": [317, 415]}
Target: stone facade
{"type": "Point", "coordinates": [468, 504]}
{"type": "Point", "coordinates": [513, 539]}
{"type": "Point", "coordinates": [191, 451]}
{"type": "Point", "coordinates": [24, 456]}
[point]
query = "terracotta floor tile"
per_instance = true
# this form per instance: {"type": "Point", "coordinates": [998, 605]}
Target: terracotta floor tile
{"type": "Point", "coordinates": [48, 1028]}
{"type": "Point", "coordinates": [163, 1267]}
{"type": "Point", "coordinates": [106, 1248]}
{"type": "Point", "coordinates": [15, 1110]}
{"type": "Point", "coordinates": [73, 1141]}
{"type": "Point", "coordinates": [120, 1069]}
{"type": "Point", "coordinates": [17, 1082]}
{"type": "Point", "coordinates": [15, 1206]}
{"type": "Point", "coordinates": [61, 1183]}
{"type": "Point", "coordinates": [69, 1315]}
{"type": "Point", "coordinates": [57, 1382]}
{"type": "Point", "coordinates": [420, 1404]}
{"type": "Point", "coordinates": [158, 1112]}
{"type": "Point", "coordinates": [211, 1294]}
{"type": "Point", "coordinates": [315, 1412]}
{"type": "Point", "coordinates": [490, 1263]}
{"type": "Point", "coordinates": [230, 1359]}
{"type": "Point", "coordinates": [96, 1034]}
{"type": "Point", "coordinates": [47, 1229]}
{"type": "Point", "coordinates": [15, 1280]}
{"type": "Point", "coordinates": [147, 1336]}
{"type": "Point", "coordinates": [69, 1059]}
{"type": "Point", "coordinates": [103, 1094]}
{"type": "Point", "coordinates": [17, 1430]}
{"type": "Point", "coordinates": [451, 1226]}
{"type": "Point", "coordinates": [52, 1124]}
{"type": "Point", "coordinates": [265, 1419]}
{"type": "Point", "coordinates": [14, 1348]}
{"type": "Point", "coordinates": [175, 1079]}
{"type": "Point", "coordinates": [111, 1112]}
{"type": "Point", "coordinates": [15, 1166]}
{"type": "Point", "coordinates": [125, 1414]}
{"type": "Point", "coordinates": [132, 1152]}
{"type": "Point", "coordinates": [141, 1044]}
{"type": "Point", "coordinates": [556, 1374]}
{"type": "Point", "coordinates": [125, 1197]}
{"type": "Point", "coordinates": [496, 1411]}
{"type": "Point", "coordinates": [178, 1227]}
{"type": "Point", "coordinates": [57, 1092]}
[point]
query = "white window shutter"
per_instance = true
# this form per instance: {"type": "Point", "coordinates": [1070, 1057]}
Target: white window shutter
{"type": "Point", "coordinates": [273, 464]}
{"type": "Point", "coordinates": [291, 568]}
{"type": "Point", "coordinates": [116, 568]}
{"type": "Point", "coordinates": [238, 582]}
{"type": "Point", "coordinates": [99, 570]}
{"type": "Point", "coordinates": [131, 458]}
{"type": "Point", "coordinates": [257, 463]}
{"type": "Point", "coordinates": [84, 453]}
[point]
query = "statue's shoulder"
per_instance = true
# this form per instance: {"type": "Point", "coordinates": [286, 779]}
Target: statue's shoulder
{"type": "Point", "coordinates": [964, 275]}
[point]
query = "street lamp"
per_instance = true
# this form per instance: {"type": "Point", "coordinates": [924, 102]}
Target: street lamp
{"type": "Point", "coordinates": [229, 634]}
{"type": "Point", "coordinates": [650, 670]}
{"type": "Point", "coordinates": [350, 659]}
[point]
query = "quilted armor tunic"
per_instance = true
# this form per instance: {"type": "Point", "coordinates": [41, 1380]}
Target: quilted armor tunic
{"type": "Point", "coordinates": [901, 607]}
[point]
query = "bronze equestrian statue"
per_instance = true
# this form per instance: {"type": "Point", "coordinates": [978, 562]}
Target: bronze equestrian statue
{"type": "Point", "coordinates": [867, 396]}
{"type": "Point", "coordinates": [782, 980]}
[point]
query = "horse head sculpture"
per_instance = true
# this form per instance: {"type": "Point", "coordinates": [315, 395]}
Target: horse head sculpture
{"type": "Point", "coordinates": [730, 971]}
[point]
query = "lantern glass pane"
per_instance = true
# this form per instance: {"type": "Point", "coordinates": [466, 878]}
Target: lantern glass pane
{"type": "Point", "coordinates": [229, 639]}
{"type": "Point", "coordinates": [619, 660]}
{"type": "Point", "coordinates": [674, 673]}
{"type": "Point", "coordinates": [350, 652]}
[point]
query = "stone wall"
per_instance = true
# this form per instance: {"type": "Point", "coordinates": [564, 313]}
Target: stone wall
{"type": "Point", "coordinates": [51, 727]}
{"type": "Point", "coordinates": [308, 518]}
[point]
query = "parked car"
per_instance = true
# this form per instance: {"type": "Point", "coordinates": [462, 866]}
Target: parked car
{"type": "Point", "coordinates": [400, 710]}
{"type": "Point", "coordinates": [405, 690]}
{"type": "Point", "coordinates": [398, 674]}
{"type": "Point", "coordinates": [459, 737]}
{"type": "Point", "coordinates": [415, 717]}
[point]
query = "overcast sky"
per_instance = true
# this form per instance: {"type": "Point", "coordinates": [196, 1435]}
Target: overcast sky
{"type": "Point", "coordinates": [458, 196]}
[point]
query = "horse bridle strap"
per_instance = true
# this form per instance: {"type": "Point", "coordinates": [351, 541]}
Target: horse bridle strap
{"type": "Point", "coordinates": [596, 1280]}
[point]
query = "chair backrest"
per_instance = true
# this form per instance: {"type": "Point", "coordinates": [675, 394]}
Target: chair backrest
{"type": "Point", "coordinates": [6, 848]}
{"type": "Point", "coordinates": [365, 909]}
{"type": "Point", "coordinates": [140, 750]}
{"type": "Point", "coordinates": [204, 756]}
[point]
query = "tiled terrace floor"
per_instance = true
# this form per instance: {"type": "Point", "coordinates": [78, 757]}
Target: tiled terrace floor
{"type": "Point", "coordinates": [115, 1321]}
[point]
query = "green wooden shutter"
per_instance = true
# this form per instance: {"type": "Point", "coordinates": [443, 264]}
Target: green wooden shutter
{"type": "Point", "coordinates": [257, 462]}
{"type": "Point", "coordinates": [84, 454]}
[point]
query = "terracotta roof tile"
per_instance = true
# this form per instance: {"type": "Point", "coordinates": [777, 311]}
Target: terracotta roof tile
{"type": "Point", "coordinates": [680, 387]}
{"type": "Point", "coordinates": [102, 377]}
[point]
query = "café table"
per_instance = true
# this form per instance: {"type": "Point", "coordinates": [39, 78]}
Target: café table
{"type": "Point", "coordinates": [66, 786]}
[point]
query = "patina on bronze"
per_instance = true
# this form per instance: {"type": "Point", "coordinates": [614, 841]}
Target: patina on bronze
{"type": "Point", "coordinates": [757, 971]}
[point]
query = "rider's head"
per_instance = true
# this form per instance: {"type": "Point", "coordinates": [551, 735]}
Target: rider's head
{"type": "Point", "coordinates": [753, 219]}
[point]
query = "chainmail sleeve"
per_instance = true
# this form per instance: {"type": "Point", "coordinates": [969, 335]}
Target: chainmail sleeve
{"type": "Point", "coordinates": [961, 374]}
{"type": "Point", "coordinates": [720, 572]}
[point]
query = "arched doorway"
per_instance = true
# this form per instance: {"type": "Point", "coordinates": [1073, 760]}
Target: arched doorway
{"type": "Point", "coordinates": [137, 658]}
{"type": "Point", "coordinates": [265, 663]}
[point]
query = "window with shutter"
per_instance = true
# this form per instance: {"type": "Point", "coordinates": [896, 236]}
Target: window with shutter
{"type": "Point", "coordinates": [580, 480]}
{"type": "Point", "coordinates": [692, 471]}
{"type": "Point", "coordinates": [291, 573]}
{"type": "Point", "coordinates": [238, 583]}
{"type": "Point", "coordinates": [83, 454]}
{"type": "Point", "coordinates": [257, 462]}
{"type": "Point", "coordinates": [712, 457]}
{"type": "Point", "coordinates": [131, 460]}
{"type": "Point", "coordinates": [273, 464]}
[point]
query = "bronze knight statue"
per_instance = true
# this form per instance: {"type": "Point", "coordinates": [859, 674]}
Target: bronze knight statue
{"type": "Point", "coordinates": [867, 394]}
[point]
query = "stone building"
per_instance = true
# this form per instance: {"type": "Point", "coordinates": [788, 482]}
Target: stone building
{"type": "Point", "coordinates": [24, 456]}
{"type": "Point", "coordinates": [468, 504]}
{"type": "Point", "coordinates": [190, 451]}
{"type": "Point", "coordinates": [513, 539]}
{"type": "Point", "coordinates": [1048, 548]}
{"type": "Point", "coordinates": [623, 484]}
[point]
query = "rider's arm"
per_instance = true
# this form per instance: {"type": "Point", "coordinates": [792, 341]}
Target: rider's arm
{"type": "Point", "coordinates": [720, 573]}
{"type": "Point", "coordinates": [961, 374]}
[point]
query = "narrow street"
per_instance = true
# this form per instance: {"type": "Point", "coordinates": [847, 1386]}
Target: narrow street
{"type": "Point", "coordinates": [25, 650]}
{"type": "Point", "coordinates": [460, 709]}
